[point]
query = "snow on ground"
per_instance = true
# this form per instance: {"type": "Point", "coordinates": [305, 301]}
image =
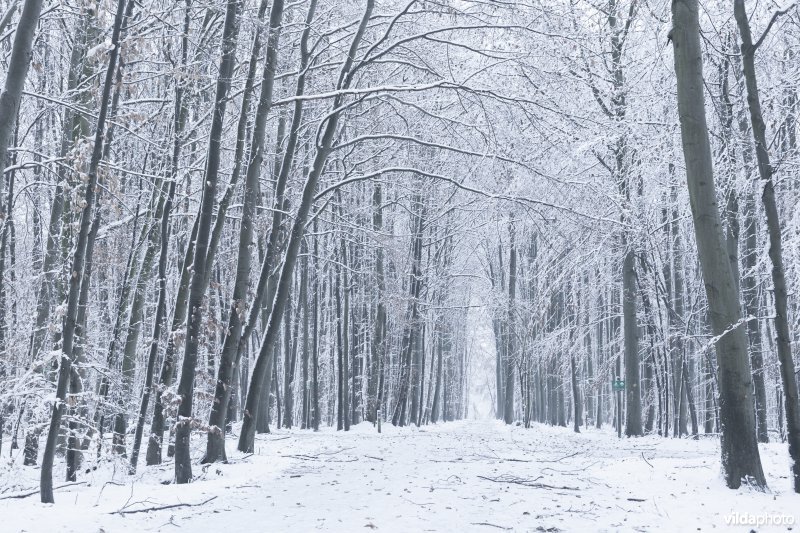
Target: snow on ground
{"type": "Point", "coordinates": [477, 476]}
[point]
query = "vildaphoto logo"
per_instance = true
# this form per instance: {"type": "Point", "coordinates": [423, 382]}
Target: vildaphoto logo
{"type": "Point", "coordinates": [759, 519]}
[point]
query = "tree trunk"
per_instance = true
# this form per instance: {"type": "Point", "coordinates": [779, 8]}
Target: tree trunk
{"type": "Point", "coordinates": [324, 147]}
{"type": "Point", "coordinates": [178, 121]}
{"type": "Point", "coordinates": [315, 414]}
{"type": "Point", "coordinates": [780, 292]}
{"type": "Point", "coordinates": [740, 456]}
{"type": "Point", "coordinates": [290, 341]}
{"type": "Point", "coordinates": [70, 316]}
{"type": "Point", "coordinates": [379, 321]}
{"type": "Point", "coordinates": [599, 381]}
{"type": "Point", "coordinates": [437, 390]}
{"type": "Point", "coordinates": [412, 315]}
{"type": "Point", "coordinates": [18, 64]}
{"type": "Point", "coordinates": [633, 397]}
{"type": "Point", "coordinates": [183, 427]}
{"type": "Point", "coordinates": [687, 385]}
{"type": "Point", "coordinates": [306, 423]}
{"type": "Point", "coordinates": [341, 379]}
{"type": "Point", "coordinates": [215, 447]}
{"type": "Point", "coordinates": [511, 352]}
{"type": "Point", "coordinates": [345, 336]}
{"type": "Point", "coordinates": [576, 396]}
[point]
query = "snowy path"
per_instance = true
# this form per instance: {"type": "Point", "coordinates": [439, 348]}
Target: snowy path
{"type": "Point", "coordinates": [464, 476]}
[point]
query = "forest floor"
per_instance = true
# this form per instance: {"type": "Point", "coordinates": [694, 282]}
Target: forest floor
{"type": "Point", "coordinates": [463, 476]}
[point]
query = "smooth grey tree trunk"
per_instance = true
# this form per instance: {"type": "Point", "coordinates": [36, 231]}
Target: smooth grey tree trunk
{"type": "Point", "coordinates": [511, 350]}
{"type": "Point", "coordinates": [306, 422]}
{"type": "Point", "coordinates": [751, 306]}
{"type": "Point", "coordinates": [343, 292]}
{"type": "Point", "coordinates": [290, 341]}
{"type": "Point", "coordinates": [183, 427]}
{"type": "Point", "coordinates": [315, 413]}
{"type": "Point", "coordinates": [411, 327]}
{"type": "Point", "coordinates": [740, 457]}
{"type": "Point", "coordinates": [341, 379]}
{"type": "Point", "coordinates": [780, 292]}
{"type": "Point", "coordinates": [18, 64]}
{"type": "Point", "coordinates": [598, 422]}
{"type": "Point", "coordinates": [379, 321]}
{"type": "Point", "coordinates": [622, 173]}
{"type": "Point", "coordinates": [215, 448]}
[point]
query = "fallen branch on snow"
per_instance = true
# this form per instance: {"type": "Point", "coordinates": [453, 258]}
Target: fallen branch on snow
{"type": "Point", "coordinates": [525, 482]}
{"type": "Point", "coordinates": [317, 458]}
{"type": "Point", "coordinates": [161, 508]}
{"type": "Point", "coordinates": [36, 491]}
{"type": "Point", "coordinates": [491, 525]}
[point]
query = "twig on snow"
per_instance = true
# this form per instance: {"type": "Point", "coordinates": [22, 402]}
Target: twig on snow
{"type": "Point", "coordinates": [646, 461]}
{"type": "Point", "coordinates": [103, 488]}
{"type": "Point", "coordinates": [559, 459]}
{"type": "Point", "coordinates": [491, 525]}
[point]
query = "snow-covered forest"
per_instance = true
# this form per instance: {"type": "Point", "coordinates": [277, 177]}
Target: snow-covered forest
{"type": "Point", "coordinates": [514, 252]}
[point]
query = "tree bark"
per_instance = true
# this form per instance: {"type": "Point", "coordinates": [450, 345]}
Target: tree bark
{"type": "Point", "coordinates": [183, 428]}
{"type": "Point", "coordinates": [379, 321]}
{"type": "Point", "coordinates": [344, 340]}
{"type": "Point", "coordinates": [78, 258]}
{"type": "Point", "coordinates": [178, 121]}
{"type": "Point", "coordinates": [306, 422]}
{"type": "Point", "coordinates": [18, 64]}
{"type": "Point", "coordinates": [780, 292]}
{"type": "Point", "coordinates": [511, 350]}
{"type": "Point", "coordinates": [324, 147]}
{"type": "Point", "coordinates": [410, 330]}
{"type": "Point", "coordinates": [740, 456]}
{"type": "Point", "coordinates": [215, 447]}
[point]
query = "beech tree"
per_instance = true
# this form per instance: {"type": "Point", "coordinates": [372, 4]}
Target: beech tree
{"type": "Point", "coordinates": [183, 461]}
{"type": "Point", "coordinates": [740, 456]}
{"type": "Point", "coordinates": [780, 296]}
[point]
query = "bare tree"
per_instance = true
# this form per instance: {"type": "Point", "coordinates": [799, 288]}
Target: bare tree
{"type": "Point", "coordinates": [740, 458]}
{"type": "Point", "coordinates": [78, 263]}
{"type": "Point", "coordinates": [780, 293]}
{"type": "Point", "coordinates": [183, 460]}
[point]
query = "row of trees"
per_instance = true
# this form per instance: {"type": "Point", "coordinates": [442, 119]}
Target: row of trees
{"type": "Point", "coordinates": [572, 322]}
{"type": "Point", "coordinates": [154, 265]}
{"type": "Point", "coordinates": [287, 213]}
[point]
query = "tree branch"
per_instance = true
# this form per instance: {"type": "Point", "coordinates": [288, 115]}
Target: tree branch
{"type": "Point", "coordinates": [162, 507]}
{"type": "Point", "coordinates": [771, 22]}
